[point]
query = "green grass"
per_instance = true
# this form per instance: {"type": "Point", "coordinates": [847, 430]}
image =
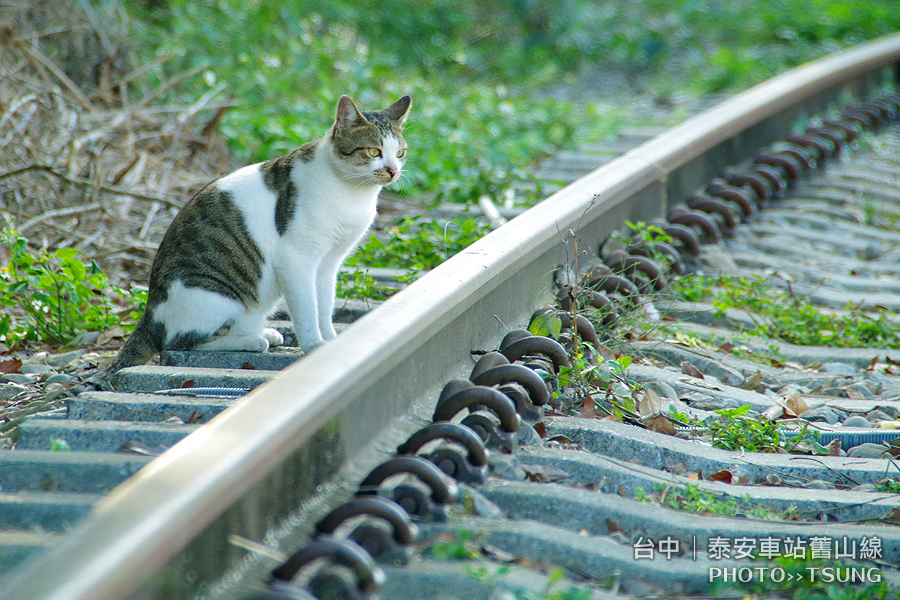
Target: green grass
{"type": "Point", "coordinates": [479, 73]}
{"type": "Point", "coordinates": [691, 498]}
{"type": "Point", "coordinates": [54, 296]}
{"type": "Point", "coordinates": [476, 70]}
{"type": "Point", "coordinates": [780, 314]}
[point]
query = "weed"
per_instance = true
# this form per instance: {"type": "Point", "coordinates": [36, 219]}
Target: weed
{"type": "Point", "coordinates": [419, 243]}
{"type": "Point", "coordinates": [737, 431]}
{"type": "Point", "coordinates": [692, 498]}
{"type": "Point", "coordinates": [783, 315]}
{"type": "Point", "coordinates": [460, 547]}
{"type": "Point", "coordinates": [54, 296]}
{"type": "Point", "coordinates": [892, 486]}
{"type": "Point", "coordinates": [359, 284]}
{"type": "Point", "coordinates": [59, 445]}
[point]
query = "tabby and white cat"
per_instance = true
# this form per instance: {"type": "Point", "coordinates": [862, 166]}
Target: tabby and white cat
{"type": "Point", "coordinates": [278, 229]}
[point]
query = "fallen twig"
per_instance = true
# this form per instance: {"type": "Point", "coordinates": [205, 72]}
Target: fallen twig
{"type": "Point", "coordinates": [59, 212]}
{"type": "Point", "coordinates": [89, 184]}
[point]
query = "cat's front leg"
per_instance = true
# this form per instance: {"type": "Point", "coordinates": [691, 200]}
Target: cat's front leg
{"type": "Point", "coordinates": [297, 279]}
{"type": "Point", "coordinates": [326, 282]}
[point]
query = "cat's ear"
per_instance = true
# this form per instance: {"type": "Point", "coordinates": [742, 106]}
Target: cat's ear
{"type": "Point", "coordinates": [348, 116]}
{"type": "Point", "coordinates": [397, 111]}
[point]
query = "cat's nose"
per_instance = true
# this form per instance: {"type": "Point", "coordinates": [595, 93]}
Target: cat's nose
{"type": "Point", "coordinates": [391, 171]}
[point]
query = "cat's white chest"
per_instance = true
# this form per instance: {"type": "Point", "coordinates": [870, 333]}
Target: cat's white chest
{"type": "Point", "coordinates": [331, 212]}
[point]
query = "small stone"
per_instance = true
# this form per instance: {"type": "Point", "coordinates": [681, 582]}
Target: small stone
{"type": "Point", "coordinates": [483, 507]}
{"type": "Point", "coordinates": [712, 403]}
{"type": "Point", "coordinates": [9, 390]}
{"type": "Point", "coordinates": [792, 388]}
{"type": "Point", "coordinates": [861, 388]}
{"type": "Point", "coordinates": [527, 436]}
{"type": "Point", "coordinates": [61, 378]}
{"type": "Point", "coordinates": [506, 467]}
{"type": "Point", "coordinates": [883, 413]}
{"type": "Point", "coordinates": [835, 392]}
{"type": "Point", "coordinates": [838, 368]}
{"type": "Point", "coordinates": [867, 451]}
{"type": "Point", "coordinates": [876, 378]}
{"type": "Point", "coordinates": [18, 378]}
{"type": "Point", "coordinates": [65, 359]}
{"type": "Point", "coordinates": [662, 389]}
{"type": "Point", "coordinates": [875, 388]}
{"type": "Point", "coordinates": [822, 413]}
{"type": "Point", "coordinates": [52, 391]}
{"type": "Point", "coordinates": [817, 484]}
{"type": "Point", "coordinates": [35, 369]}
{"type": "Point", "coordinates": [872, 251]}
{"type": "Point", "coordinates": [856, 421]}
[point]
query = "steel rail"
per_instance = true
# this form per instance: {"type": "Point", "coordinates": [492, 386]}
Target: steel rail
{"type": "Point", "coordinates": [165, 531]}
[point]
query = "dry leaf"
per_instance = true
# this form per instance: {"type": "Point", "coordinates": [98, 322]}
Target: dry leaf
{"type": "Point", "coordinates": [605, 353]}
{"type": "Point", "coordinates": [544, 473]}
{"type": "Point", "coordinates": [10, 366]}
{"type": "Point", "coordinates": [774, 413]}
{"type": "Point", "coordinates": [894, 517]}
{"type": "Point", "coordinates": [248, 366]}
{"type": "Point", "coordinates": [541, 429]}
{"type": "Point", "coordinates": [187, 383]}
{"type": "Point", "coordinates": [888, 424]}
{"type": "Point", "coordinates": [727, 347]}
{"type": "Point", "coordinates": [795, 404]}
{"type": "Point", "coordinates": [743, 480]}
{"type": "Point", "coordinates": [834, 448]}
{"type": "Point", "coordinates": [649, 403]}
{"type": "Point", "coordinates": [660, 424]}
{"type": "Point", "coordinates": [109, 335]}
{"type": "Point", "coordinates": [854, 394]}
{"type": "Point", "coordinates": [773, 479]}
{"type": "Point", "coordinates": [620, 489]}
{"type": "Point", "coordinates": [693, 476]}
{"type": "Point", "coordinates": [753, 383]}
{"type": "Point", "coordinates": [689, 369]}
{"type": "Point", "coordinates": [700, 383]}
{"type": "Point", "coordinates": [725, 476]}
{"type": "Point", "coordinates": [613, 526]}
{"type": "Point", "coordinates": [587, 407]}
{"type": "Point", "coordinates": [678, 469]}
{"type": "Point", "coordinates": [894, 451]}
{"type": "Point", "coordinates": [873, 363]}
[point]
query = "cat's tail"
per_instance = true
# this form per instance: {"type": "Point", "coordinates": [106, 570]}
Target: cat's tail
{"type": "Point", "coordinates": [139, 348]}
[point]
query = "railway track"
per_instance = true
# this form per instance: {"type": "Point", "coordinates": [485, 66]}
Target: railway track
{"type": "Point", "coordinates": [249, 471]}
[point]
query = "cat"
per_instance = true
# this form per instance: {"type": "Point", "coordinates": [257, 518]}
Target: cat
{"type": "Point", "coordinates": [273, 230]}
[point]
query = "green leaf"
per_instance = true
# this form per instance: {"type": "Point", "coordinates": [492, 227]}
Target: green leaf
{"type": "Point", "coordinates": [59, 445]}
{"type": "Point", "coordinates": [18, 287]}
{"type": "Point", "coordinates": [67, 253]}
{"type": "Point", "coordinates": [546, 325]}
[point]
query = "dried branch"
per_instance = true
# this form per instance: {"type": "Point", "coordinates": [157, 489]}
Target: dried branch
{"type": "Point", "coordinates": [86, 183]}
{"type": "Point", "coordinates": [59, 212]}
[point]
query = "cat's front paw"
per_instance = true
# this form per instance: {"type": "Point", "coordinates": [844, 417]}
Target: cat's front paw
{"type": "Point", "coordinates": [273, 337]}
{"type": "Point", "coordinates": [311, 345]}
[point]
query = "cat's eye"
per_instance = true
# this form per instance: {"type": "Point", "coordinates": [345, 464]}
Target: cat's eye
{"type": "Point", "coordinates": [373, 152]}
{"type": "Point", "coordinates": [401, 153]}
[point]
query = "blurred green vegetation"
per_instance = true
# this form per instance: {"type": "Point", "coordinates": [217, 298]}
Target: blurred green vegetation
{"type": "Point", "coordinates": [485, 75]}
{"type": "Point", "coordinates": [476, 69]}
